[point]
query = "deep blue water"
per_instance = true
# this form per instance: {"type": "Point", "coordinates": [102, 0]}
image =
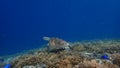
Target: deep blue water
{"type": "Point", "coordinates": [23, 23]}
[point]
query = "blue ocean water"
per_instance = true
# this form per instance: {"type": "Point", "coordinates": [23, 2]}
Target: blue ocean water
{"type": "Point", "coordinates": [23, 23]}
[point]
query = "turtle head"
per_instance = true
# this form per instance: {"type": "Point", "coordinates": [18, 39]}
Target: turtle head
{"type": "Point", "coordinates": [46, 38]}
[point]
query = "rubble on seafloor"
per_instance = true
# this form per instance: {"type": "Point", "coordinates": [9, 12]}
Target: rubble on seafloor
{"type": "Point", "coordinates": [84, 54]}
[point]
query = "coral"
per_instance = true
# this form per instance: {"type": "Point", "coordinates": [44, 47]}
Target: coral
{"type": "Point", "coordinates": [94, 64]}
{"type": "Point", "coordinates": [86, 54]}
{"type": "Point", "coordinates": [49, 59]}
{"type": "Point", "coordinates": [64, 64]}
{"type": "Point", "coordinates": [116, 59]}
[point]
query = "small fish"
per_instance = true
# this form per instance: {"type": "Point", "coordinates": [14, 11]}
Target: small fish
{"type": "Point", "coordinates": [7, 66]}
{"type": "Point", "coordinates": [105, 57]}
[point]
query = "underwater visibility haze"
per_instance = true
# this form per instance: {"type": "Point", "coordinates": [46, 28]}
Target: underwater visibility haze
{"type": "Point", "coordinates": [23, 23]}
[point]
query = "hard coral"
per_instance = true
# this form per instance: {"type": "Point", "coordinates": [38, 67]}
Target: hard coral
{"type": "Point", "coordinates": [82, 55]}
{"type": "Point", "coordinates": [117, 61]}
{"type": "Point", "coordinates": [94, 64]}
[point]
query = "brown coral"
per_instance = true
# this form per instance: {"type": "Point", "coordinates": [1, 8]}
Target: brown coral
{"type": "Point", "coordinates": [95, 64]}
{"type": "Point", "coordinates": [64, 64]}
{"type": "Point", "coordinates": [73, 58]}
{"type": "Point", "coordinates": [116, 61]}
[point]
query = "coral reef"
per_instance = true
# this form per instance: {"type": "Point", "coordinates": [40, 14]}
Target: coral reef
{"type": "Point", "coordinates": [84, 54]}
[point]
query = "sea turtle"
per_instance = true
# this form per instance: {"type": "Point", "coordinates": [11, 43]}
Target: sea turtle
{"type": "Point", "coordinates": [57, 44]}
